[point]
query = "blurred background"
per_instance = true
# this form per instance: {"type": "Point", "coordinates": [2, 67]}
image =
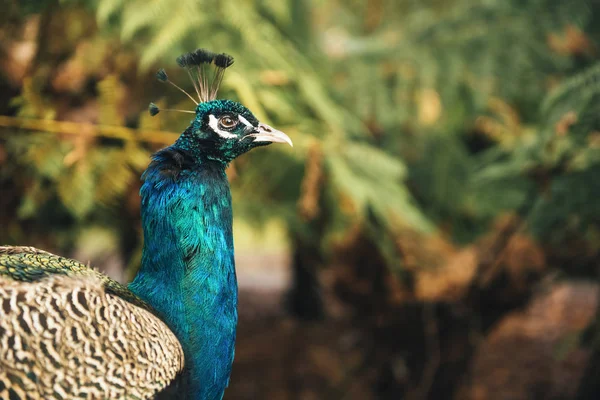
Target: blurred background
{"type": "Point", "coordinates": [433, 234]}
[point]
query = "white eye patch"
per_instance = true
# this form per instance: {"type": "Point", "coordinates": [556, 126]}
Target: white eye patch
{"type": "Point", "coordinates": [213, 122]}
{"type": "Point", "coordinates": [245, 121]}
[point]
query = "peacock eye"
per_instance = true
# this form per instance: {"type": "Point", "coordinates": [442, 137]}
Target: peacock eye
{"type": "Point", "coordinates": [227, 122]}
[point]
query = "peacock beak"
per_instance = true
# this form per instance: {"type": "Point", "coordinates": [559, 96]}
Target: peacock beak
{"type": "Point", "coordinates": [265, 133]}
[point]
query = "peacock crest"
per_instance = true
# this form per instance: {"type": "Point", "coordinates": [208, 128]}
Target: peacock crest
{"type": "Point", "coordinates": [205, 69]}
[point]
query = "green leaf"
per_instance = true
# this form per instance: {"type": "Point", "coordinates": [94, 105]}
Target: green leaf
{"type": "Point", "coordinates": [76, 190]}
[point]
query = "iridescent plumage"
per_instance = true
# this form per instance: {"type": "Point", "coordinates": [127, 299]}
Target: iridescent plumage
{"type": "Point", "coordinates": [173, 330]}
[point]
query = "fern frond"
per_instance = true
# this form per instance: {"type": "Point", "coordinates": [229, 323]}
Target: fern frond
{"type": "Point", "coordinates": [584, 84]}
{"type": "Point", "coordinates": [75, 189]}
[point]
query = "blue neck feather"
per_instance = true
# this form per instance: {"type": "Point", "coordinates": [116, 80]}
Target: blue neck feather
{"type": "Point", "coordinates": [188, 270]}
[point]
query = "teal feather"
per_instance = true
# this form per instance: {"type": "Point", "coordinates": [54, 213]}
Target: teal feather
{"type": "Point", "coordinates": [188, 268]}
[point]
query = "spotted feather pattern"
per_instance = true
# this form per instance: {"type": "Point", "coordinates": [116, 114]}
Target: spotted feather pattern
{"type": "Point", "coordinates": [29, 264]}
{"type": "Point", "coordinates": [66, 337]}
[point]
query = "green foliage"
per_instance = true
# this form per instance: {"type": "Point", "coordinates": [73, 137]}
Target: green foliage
{"type": "Point", "coordinates": [373, 181]}
{"type": "Point", "coordinates": [77, 172]}
{"type": "Point", "coordinates": [562, 157]}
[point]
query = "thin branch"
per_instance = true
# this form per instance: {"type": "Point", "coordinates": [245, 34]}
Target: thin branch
{"type": "Point", "coordinates": [85, 129]}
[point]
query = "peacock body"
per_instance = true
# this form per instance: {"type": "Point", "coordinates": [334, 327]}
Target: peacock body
{"type": "Point", "coordinates": [68, 331]}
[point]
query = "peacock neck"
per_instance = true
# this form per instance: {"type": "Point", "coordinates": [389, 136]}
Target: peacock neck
{"type": "Point", "coordinates": [188, 271]}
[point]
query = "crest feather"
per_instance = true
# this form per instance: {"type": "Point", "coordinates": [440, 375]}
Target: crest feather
{"type": "Point", "coordinates": [198, 66]}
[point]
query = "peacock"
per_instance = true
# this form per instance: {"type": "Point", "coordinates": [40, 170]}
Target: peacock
{"type": "Point", "coordinates": [68, 331]}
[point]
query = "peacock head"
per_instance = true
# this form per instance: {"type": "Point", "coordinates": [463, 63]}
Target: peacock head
{"type": "Point", "coordinates": [225, 129]}
{"type": "Point", "coordinates": [221, 129]}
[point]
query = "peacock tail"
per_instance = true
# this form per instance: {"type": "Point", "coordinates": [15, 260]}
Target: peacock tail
{"type": "Point", "coordinates": [67, 331]}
